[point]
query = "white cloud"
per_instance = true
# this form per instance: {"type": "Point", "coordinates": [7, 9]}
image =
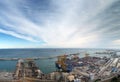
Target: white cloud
{"type": "Point", "coordinates": [116, 42]}
{"type": "Point", "coordinates": [17, 35]}
{"type": "Point", "coordinates": [68, 27]}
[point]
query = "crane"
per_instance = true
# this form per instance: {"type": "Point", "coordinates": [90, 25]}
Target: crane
{"type": "Point", "coordinates": [63, 65]}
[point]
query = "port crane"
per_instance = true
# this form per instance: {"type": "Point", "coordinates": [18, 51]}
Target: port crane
{"type": "Point", "coordinates": [34, 58]}
{"type": "Point", "coordinates": [63, 65]}
{"type": "Point", "coordinates": [60, 64]}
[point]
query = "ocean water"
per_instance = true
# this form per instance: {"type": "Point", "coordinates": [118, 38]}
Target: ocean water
{"type": "Point", "coordinates": [45, 65]}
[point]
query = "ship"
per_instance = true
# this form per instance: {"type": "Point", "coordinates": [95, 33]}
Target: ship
{"type": "Point", "coordinates": [90, 69]}
{"type": "Point", "coordinates": [69, 68]}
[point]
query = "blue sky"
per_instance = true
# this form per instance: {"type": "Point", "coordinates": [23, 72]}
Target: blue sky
{"type": "Point", "coordinates": [59, 23]}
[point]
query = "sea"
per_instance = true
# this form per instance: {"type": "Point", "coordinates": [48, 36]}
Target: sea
{"type": "Point", "coordinates": [45, 65]}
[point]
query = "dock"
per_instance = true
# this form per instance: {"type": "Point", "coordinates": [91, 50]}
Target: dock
{"type": "Point", "coordinates": [33, 58]}
{"type": "Point", "coordinates": [68, 68]}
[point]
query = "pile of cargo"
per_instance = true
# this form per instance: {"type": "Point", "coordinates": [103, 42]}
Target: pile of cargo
{"type": "Point", "coordinates": [90, 68]}
{"type": "Point", "coordinates": [69, 68]}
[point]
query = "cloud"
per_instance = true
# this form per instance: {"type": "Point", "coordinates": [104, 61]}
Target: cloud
{"type": "Point", "coordinates": [61, 23]}
{"type": "Point", "coordinates": [17, 35]}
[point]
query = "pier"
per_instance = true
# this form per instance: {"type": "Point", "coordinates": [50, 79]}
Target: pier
{"type": "Point", "coordinates": [68, 67]}
{"type": "Point", "coordinates": [34, 58]}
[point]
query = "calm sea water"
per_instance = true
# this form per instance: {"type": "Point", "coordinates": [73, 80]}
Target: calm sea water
{"type": "Point", "coordinates": [46, 65]}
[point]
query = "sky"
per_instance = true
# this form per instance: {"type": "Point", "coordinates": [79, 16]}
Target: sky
{"type": "Point", "coordinates": [59, 23]}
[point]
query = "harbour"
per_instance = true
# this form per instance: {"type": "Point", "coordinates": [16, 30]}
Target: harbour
{"type": "Point", "coordinates": [82, 69]}
{"type": "Point", "coordinates": [59, 41]}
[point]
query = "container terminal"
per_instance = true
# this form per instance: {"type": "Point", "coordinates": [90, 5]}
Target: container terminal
{"type": "Point", "coordinates": [69, 68]}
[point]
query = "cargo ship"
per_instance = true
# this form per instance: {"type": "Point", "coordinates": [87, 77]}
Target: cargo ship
{"type": "Point", "coordinates": [69, 68]}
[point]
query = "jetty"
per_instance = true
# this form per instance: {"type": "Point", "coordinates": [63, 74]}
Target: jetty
{"type": "Point", "coordinates": [33, 58]}
{"type": "Point", "coordinates": [68, 68]}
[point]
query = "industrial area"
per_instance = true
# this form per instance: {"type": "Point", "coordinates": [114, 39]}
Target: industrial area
{"type": "Point", "coordinates": [69, 68]}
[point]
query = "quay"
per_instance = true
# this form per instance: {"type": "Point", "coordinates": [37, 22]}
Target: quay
{"type": "Point", "coordinates": [69, 68]}
{"type": "Point", "coordinates": [34, 58]}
